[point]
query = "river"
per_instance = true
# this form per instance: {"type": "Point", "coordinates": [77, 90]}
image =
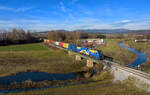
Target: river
{"type": "Point", "coordinates": [141, 57]}
{"type": "Point", "coordinates": [38, 77]}
{"type": "Point", "coordinates": [35, 77]}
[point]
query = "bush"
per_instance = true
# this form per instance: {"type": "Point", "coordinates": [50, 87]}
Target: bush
{"type": "Point", "coordinates": [103, 75]}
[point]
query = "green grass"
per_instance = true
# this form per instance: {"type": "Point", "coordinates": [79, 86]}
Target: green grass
{"type": "Point", "coordinates": [36, 57]}
{"type": "Point", "coordinates": [139, 46]}
{"type": "Point", "coordinates": [119, 54]}
{"type": "Point", "coordinates": [34, 54]}
{"type": "Point", "coordinates": [24, 47]}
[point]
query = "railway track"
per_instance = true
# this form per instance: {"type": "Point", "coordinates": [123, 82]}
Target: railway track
{"type": "Point", "coordinates": [130, 70]}
{"type": "Point", "coordinates": [106, 62]}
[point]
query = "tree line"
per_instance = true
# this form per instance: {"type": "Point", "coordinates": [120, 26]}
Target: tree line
{"type": "Point", "coordinates": [74, 36]}
{"type": "Point", "coordinates": [16, 36]}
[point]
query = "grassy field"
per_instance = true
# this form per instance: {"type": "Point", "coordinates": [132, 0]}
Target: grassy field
{"type": "Point", "coordinates": [24, 47]}
{"type": "Point", "coordinates": [143, 47]}
{"type": "Point", "coordinates": [99, 88]}
{"type": "Point", "coordinates": [119, 54]}
{"type": "Point", "coordinates": [36, 57]}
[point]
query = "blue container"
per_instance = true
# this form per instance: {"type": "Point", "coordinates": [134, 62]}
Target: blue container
{"type": "Point", "coordinates": [72, 47]}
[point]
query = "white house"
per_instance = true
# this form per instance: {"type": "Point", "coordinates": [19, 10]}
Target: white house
{"type": "Point", "coordinates": [95, 40]}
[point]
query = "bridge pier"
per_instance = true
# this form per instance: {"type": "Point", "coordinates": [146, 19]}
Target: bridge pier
{"type": "Point", "coordinates": [78, 57]}
{"type": "Point", "coordinates": [70, 53]}
{"type": "Point", "coordinates": [89, 63]}
{"type": "Point", "coordinates": [105, 67]}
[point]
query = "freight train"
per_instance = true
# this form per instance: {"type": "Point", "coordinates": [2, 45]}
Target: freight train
{"type": "Point", "coordinates": [97, 54]}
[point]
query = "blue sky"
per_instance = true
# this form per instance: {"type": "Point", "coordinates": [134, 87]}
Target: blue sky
{"type": "Point", "coordinates": [74, 14]}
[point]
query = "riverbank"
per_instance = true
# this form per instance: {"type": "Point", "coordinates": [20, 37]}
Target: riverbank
{"type": "Point", "coordinates": [38, 80]}
{"type": "Point", "coordinates": [143, 47]}
{"type": "Point", "coordinates": [29, 81]}
{"type": "Point", "coordinates": [141, 59]}
{"type": "Point", "coordinates": [119, 54]}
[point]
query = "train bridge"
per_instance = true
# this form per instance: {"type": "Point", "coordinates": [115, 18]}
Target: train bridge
{"type": "Point", "coordinates": [119, 72]}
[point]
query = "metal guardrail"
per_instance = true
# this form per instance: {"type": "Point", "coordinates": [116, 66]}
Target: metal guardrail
{"type": "Point", "coordinates": [133, 71]}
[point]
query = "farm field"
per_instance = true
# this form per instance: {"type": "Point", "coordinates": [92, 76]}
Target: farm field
{"type": "Point", "coordinates": [119, 54]}
{"type": "Point", "coordinates": [36, 57]}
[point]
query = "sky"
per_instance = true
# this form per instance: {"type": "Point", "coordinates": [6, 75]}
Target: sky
{"type": "Point", "coordinates": [44, 15]}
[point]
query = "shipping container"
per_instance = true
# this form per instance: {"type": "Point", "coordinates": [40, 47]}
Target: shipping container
{"type": "Point", "coordinates": [57, 43]}
{"type": "Point", "coordinates": [53, 42]}
{"type": "Point", "coordinates": [47, 41]}
{"type": "Point", "coordinates": [61, 44]}
{"type": "Point", "coordinates": [72, 47]}
{"type": "Point", "coordinates": [65, 45]}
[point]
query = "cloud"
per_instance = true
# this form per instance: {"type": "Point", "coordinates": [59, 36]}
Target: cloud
{"type": "Point", "coordinates": [121, 23]}
{"type": "Point", "coordinates": [23, 9]}
{"type": "Point", "coordinates": [93, 26]}
{"type": "Point", "coordinates": [86, 23]}
{"type": "Point", "coordinates": [136, 26]}
{"type": "Point", "coordinates": [133, 24]}
{"type": "Point", "coordinates": [125, 21]}
{"type": "Point", "coordinates": [82, 23]}
{"type": "Point", "coordinates": [4, 8]}
{"type": "Point", "coordinates": [4, 22]}
{"type": "Point", "coordinates": [132, 21]}
{"type": "Point", "coordinates": [63, 7]}
{"type": "Point", "coordinates": [20, 23]}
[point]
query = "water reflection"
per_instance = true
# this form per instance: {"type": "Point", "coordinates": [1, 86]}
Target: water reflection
{"type": "Point", "coordinates": [141, 56]}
